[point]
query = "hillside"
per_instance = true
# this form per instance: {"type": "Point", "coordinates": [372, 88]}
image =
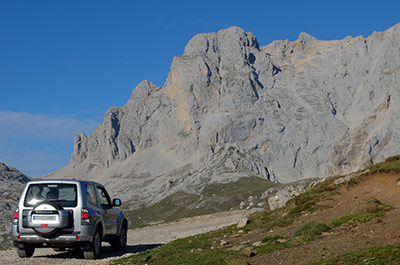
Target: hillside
{"type": "Point", "coordinates": [231, 108]}
{"type": "Point", "coordinates": [357, 214]}
{"type": "Point", "coordinates": [12, 182]}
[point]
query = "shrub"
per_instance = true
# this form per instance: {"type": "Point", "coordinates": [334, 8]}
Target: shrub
{"type": "Point", "coordinates": [310, 230]}
{"type": "Point", "coordinates": [270, 239]}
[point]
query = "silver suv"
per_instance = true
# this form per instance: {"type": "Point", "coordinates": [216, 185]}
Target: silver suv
{"type": "Point", "coordinates": [67, 214]}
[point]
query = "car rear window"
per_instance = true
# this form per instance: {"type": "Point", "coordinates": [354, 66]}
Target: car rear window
{"type": "Point", "coordinates": [64, 194]}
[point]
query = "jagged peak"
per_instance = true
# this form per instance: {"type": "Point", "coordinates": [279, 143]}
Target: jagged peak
{"type": "Point", "coordinates": [206, 42]}
{"type": "Point", "coordinates": [82, 135]}
{"type": "Point", "coordinates": [238, 32]}
{"type": "Point", "coordinates": [306, 37]}
{"type": "Point", "coordinates": [146, 83]}
{"type": "Point", "coordinates": [233, 30]}
{"type": "Point", "coordinates": [143, 88]}
{"type": "Point", "coordinates": [4, 166]}
{"type": "Point", "coordinates": [12, 173]}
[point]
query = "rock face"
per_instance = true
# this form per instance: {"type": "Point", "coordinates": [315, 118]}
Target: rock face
{"type": "Point", "coordinates": [277, 197]}
{"type": "Point", "coordinates": [11, 184]}
{"type": "Point", "coordinates": [231, 108]}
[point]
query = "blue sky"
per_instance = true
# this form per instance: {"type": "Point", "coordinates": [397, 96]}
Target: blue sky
{"type": "Point", "coordinates": [64, 63]}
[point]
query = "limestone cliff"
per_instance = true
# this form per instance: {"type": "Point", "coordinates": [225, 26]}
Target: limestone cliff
{"type": "Point", "coordinates": [231, 108]}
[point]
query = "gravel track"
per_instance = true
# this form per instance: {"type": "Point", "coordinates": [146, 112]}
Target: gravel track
{"type": "Point", "coordinates": [138, 240]}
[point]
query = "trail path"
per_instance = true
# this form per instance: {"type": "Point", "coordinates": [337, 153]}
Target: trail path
{"type": "Point", "coordinates": [138, 240]}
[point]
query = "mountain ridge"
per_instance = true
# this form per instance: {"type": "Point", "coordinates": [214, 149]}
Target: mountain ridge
{"type": "Point", "coordinates": [12, 181]}
{"type": "Point", "coordinates": [231, 108]}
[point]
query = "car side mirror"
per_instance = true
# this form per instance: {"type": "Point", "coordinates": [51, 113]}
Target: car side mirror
{"type": "Point", "coordinates": [116, 202]}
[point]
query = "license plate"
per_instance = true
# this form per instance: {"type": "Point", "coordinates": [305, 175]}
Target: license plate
{"type": "Point", "coordinates": [38, 219]}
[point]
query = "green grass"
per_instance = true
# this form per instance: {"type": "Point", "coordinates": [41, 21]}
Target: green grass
{"type": "Point", "coordinates": [191, 250]}
{"type": "Point", "coordinates": [311, 230]}
{"type": "Point", "coordinates": [269, 220]}
{"type": "Point", "coordinates": [305, 202]}
{"type": "Point", "coordinates": [268, 239]}
{"type": "Point", "coordinates": [374, 209]}
{"type": "Point", "coordinates": [222, 197]}
{"type": "Point", "coordinates": [305, 234]}
{"type": "Point", "coordinates": [171, 208]}
{"type": "Point", "coordinates": [317, 194]}
{"type": "Point", "coordinates": [171, 257]}
{"type": "Point", "coordinates": [239, 190]}
{"type": "Point", "coordinates": [386, 255]}
{"type": "Point", "coordinates": [215, 197]}
{"type": "Point", "coordinates": [202, 249]}
{"type": "Point", "coordinates": [272, 244]}
{"type": "Point", "coordinates": [391, 164]}
{"type": "Point", "coordinates": [206, 248]}
{"type": "Point", "coordinates": [309, 206]}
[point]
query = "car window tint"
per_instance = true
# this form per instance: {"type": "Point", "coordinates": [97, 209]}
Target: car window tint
{"type": "Point", "coordinates": [103, 196]}
{"type": "Point", "coordinates": [64, 194]}
{"type": "Point", "coordinates": [91, 194]}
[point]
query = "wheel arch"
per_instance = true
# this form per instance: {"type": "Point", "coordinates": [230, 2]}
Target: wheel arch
{"type": "Point", "coordinates": [123, 222]}
{"type": "Point", "coordinates": [99, 225]}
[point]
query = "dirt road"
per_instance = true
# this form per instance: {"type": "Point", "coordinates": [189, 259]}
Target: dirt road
{"type": "Point", "coordinates": [138, 240]}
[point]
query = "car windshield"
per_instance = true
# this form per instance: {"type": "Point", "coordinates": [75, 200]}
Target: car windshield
{"type": "Point", "coordinates": [64, 194]}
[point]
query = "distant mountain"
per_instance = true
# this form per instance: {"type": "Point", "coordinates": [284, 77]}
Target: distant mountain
{"type": "Point", "coordinates": [11, 176]}
{"type": "Point", "coordinates": [12, 182]}
{"type": "Point", "coordinates": [231, 108]}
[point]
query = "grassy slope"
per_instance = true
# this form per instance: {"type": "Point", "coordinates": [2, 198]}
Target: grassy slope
{"type": "Point", "coordinates": [215, 247]}
{"type": "Point", "coordinates": [214, 198]}
{"type": "Point", "coordinates": [386, 255]}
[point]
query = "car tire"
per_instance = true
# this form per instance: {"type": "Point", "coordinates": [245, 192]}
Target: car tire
{"type": "Point", "coordinates": [93, 252]}
{"type": "Point", "coordinates": [120, 242]}
{"type": "Point", "coordinates": [26, 252]}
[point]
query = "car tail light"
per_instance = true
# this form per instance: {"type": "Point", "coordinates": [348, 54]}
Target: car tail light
{"type": "Point", "coordinates": [85, 218]}
{"type": "Point", "coordinates": [16, 216]}
{"type": "Point", "coordinates": [85, 214]}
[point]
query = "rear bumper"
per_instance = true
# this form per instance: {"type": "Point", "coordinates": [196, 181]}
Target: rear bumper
{"type": "Point", "coordinates": [85, 235]}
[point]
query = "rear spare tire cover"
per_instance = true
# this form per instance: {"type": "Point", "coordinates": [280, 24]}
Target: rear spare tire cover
{"type": "Point", "coordinates": [47, 206]}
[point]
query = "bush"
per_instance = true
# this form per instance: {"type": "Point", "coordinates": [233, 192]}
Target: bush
{"type": "Point", "coordinates": [270, 239]}
{"type": "Point", "coordinates": [310, 230]}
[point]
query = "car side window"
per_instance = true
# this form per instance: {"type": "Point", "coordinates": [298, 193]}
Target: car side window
{"type": "Point", "coordinates": [103, 196]}
{"type": "Point", "coordinates": [91, 194]}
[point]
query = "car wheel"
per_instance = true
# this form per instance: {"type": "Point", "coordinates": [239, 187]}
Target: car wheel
{"type": "Point", "coordinates": [120, 242]}
{"type": "Point", "coordinates": [27, 252]}
{"type": "Point", "coordinates": [95, 247]}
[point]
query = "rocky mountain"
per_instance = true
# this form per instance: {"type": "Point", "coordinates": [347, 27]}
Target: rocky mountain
{"type": "Point", "coordinates": [231, 108]}
{"type": "Point", "coordinates": [11, 184]}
